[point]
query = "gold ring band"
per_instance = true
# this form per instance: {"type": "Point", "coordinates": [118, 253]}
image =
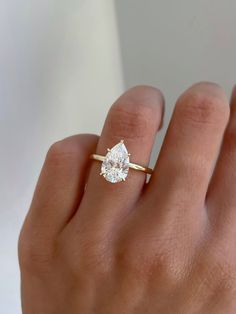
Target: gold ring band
{"type": "Point", "coordinates": [130, 164]}
{"type": "Point", "coordinates": [116, 164]}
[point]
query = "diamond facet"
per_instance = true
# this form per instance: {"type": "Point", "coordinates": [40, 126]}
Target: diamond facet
{"type": "Point", "coordinates": [115, 166]}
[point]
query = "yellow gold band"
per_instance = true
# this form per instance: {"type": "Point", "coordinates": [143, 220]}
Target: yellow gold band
{"type": "Point", "coordinates": [131, 164]}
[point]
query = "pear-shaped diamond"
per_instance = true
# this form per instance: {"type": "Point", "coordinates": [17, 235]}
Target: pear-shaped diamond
{"type": "Point", "coordinates": [115, 166]}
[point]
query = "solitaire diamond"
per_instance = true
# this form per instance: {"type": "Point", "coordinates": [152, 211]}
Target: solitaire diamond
{"type": "Point", "coordinates": [115, 166]}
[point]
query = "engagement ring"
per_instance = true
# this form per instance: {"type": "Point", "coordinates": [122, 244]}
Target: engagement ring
{"type": "Point", "coordinates": [116, 163]}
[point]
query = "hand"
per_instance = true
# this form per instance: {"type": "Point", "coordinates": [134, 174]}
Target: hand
{"type": "Point", "coordinates": [168, 246]}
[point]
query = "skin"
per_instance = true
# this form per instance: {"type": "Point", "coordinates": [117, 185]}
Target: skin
{"type": "Point", "coordinates": [167, 246]}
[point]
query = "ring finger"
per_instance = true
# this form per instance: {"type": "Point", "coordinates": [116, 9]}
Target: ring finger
{"type": "Point", "coordinates": [135, 118]}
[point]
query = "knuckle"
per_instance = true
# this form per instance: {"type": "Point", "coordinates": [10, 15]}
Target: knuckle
{"type": "Point", "coordinates": [201, 108]}
{"type": "Point", "coordinates": [134, 119]}
{"type": "Point", "coordinates": [133, 256]}
{"type": "Point", "coordinates": [127, 259]}
{"type": "Point", "coordinates": [62, 151]}
{"type": "Point", "coordinates": [220, 272]}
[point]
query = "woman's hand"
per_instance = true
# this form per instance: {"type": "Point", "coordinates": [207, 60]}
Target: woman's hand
{"type": "Point", "coordinates": [168, 246]}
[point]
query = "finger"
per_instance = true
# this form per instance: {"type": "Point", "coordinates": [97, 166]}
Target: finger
{"type": "Point", "coordinates": [135, 117]}
{"type": "Point", "coordinates": [60, 185]}
{"type": "Point", "coordinates": [221, 197]}
{"type": "Point", "coordinates": [190, 148]}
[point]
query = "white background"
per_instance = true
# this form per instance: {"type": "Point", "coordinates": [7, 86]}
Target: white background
{"type": "Point", "coordinates": [62, 63]}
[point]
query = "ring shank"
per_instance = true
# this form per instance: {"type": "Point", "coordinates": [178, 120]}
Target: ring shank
{"type": "Point", "coordinates": [131, 164]}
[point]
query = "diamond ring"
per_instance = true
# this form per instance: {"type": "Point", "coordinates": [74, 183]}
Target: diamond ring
{"type": "Point", "coordinates": [116, 163]}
